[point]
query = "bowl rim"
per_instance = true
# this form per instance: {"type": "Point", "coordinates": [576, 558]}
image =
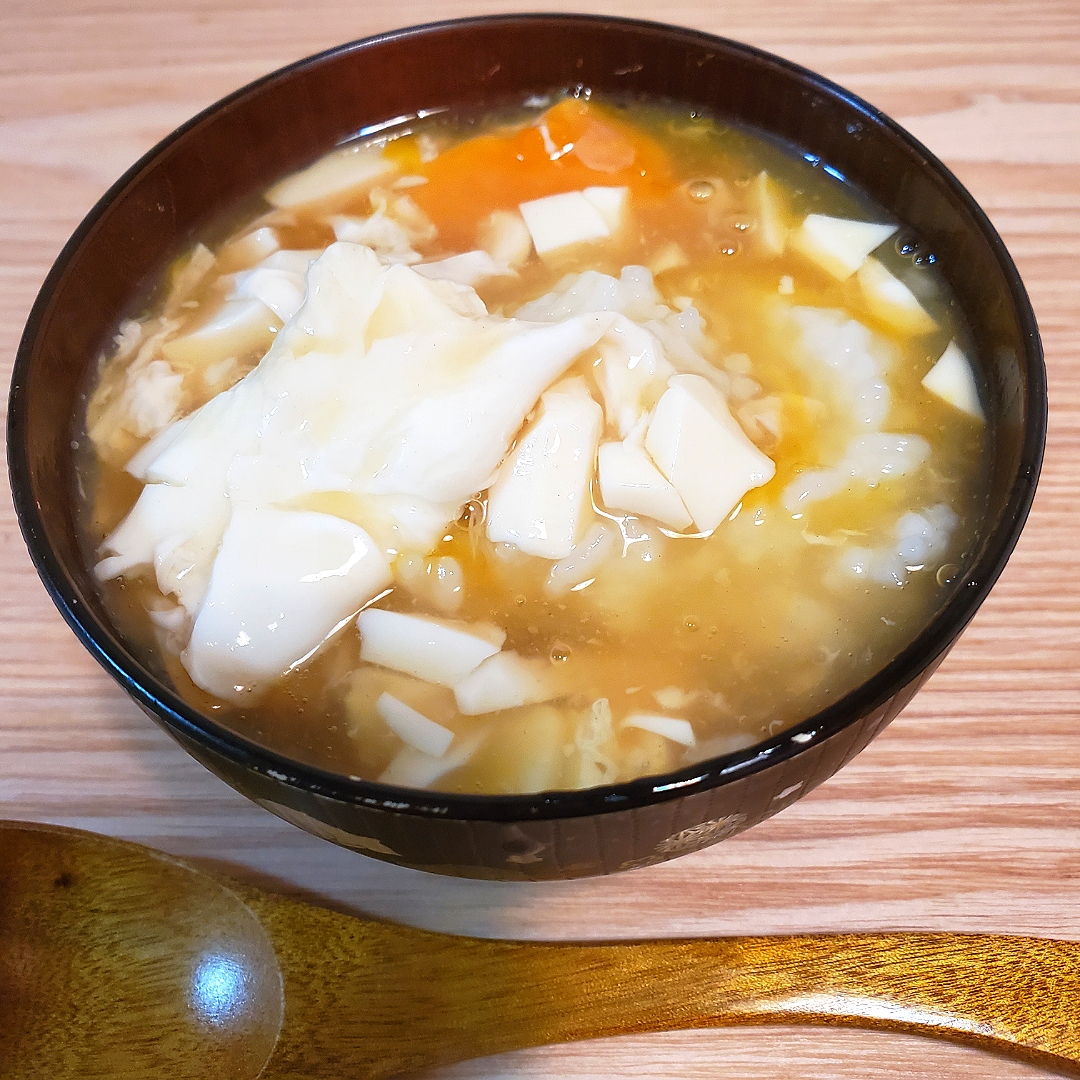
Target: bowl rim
{"type": "Point", "coordinates": [190, 725]}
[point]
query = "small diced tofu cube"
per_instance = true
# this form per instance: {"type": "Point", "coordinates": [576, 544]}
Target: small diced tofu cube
{"type": "Point", "coordinates": [505, 681]}
{"type": "Point", "coordinates": [338, 177]}
{"type": "Point", "coordinates": [952, 379]}
{"type": "Point", "coordinates": [414, 727]}
{"type": "Point", "coordinates": [632, 373]}
{"type": "Point", "coordinates": [630, 481]}
{"type": "Point", "coordinates": [415, 769]}
{"type": "Point", "coordinates": [435, 650]}
{"type": "Point", "coordinates": [610, 203]}
{"type": "Point", "coordinates": [240, 327]}
{"type": "Point", "coordinates": [892, 301]}
{"type": "Point", "coordinates": [771, 232]}
{"type": "Point", "coordinates": [700, 447]}
{"type": "Point", "coordinates": [504, 235]}
{"type": "Point", "coordinates": [540, 501]}
{"type": "Point", "coordinates": [561, 221]}
{"type": "Point", "coordinates": [282, 291]}
{"type": "Point", "coordinates": [839, 245]}
{"type": "Point", "coordinates": [670, 257]}
{"type": "Point", "coordinates": [670, 727]}
{"type": "Point", "coordinates": [249, 249]}
{"type": "Point", "coordinates": [296, 260]}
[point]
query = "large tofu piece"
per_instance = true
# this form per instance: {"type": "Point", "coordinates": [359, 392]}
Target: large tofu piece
{"type": "Point", "coordinates": [558, 222]}
{"type": "Point", "coordinates": [700, 447]}
{"type": "Point", "coordinates": [282, 582]}
{"type": "Point", "coordinates": [451, 443]}
{"type": "Point", "coordinates": [540, 500]}
{"type": "Point", "coordinates": [630, 481]}
{"type": "Point", "coordinates": [839, 245]}
{"type": "Point", "coordinates": [951, 378]}
{"type": "Point", "coordinates": [436, 650]}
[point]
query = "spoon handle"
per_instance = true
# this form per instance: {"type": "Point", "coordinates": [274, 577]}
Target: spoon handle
{"type": "Point", "coordinates": [429, 999]}
{"type": "Point", "coordinates": [1016, 996]}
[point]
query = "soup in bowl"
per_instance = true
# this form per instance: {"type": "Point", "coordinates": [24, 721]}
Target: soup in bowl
{"type": "Point", "coordinates": [536, 464]}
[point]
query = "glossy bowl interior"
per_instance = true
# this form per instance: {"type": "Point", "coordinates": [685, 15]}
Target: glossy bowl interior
{"type": "Point", "coordinates": [287, 119]}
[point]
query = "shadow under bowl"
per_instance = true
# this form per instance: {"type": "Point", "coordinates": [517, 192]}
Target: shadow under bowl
{"type": "Point", "coordinates": [285, 120]}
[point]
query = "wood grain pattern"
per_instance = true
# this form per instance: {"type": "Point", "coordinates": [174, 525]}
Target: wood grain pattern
{"type": "Point", "coordinates": [122, 963]}
{"type": "Point", "coordinates": [963, 815]}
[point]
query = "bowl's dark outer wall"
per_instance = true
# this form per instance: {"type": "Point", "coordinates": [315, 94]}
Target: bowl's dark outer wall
{"type": "Point", "coordinates": [287, 119]}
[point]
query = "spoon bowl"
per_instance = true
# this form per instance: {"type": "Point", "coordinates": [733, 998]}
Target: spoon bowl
{"type": "Point", "coordinates": [118, 962]}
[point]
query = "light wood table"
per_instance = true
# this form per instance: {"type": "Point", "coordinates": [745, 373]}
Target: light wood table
{"type": "Point", "coordinates": [964, 814]}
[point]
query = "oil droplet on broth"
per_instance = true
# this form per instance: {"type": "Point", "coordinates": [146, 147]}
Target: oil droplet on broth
{"type": "Point", "coordinates": [560, 653]}
{"type": "Point", "coordinates": [947, 573]}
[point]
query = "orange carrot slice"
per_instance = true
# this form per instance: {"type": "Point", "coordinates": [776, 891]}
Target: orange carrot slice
{"type": "Point", "coordinates": [574, 145]}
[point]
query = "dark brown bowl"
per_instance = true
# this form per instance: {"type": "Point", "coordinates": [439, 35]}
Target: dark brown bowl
{"type": "Point", "coordinates": [287, 119]}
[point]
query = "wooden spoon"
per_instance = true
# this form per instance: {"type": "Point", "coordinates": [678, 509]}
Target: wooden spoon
{"type": "Point", "coordinates": [119, 962]}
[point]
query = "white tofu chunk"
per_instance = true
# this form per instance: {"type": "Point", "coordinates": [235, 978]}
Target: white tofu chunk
{"type": "Point", "coordinates": [632, 373]}
{"type": "Point", "coordinates": [669, 727]}
{"type": "Point", "coordinates": [839, 245]}
{"type": "Point", "coordinates": [633, 294]}
{"type": "Point", "coordinates": [282, 582]}
{"type": "Point", "coordinates": [600, 543]}
{"type": "Point", "coordinates": [771, 232]}
{"type": "Point", "coordinates": [414, 727]}
{"type": "Point", "coordinates": [505, 681]}
{"type": "Point", "coordinates": [540, 501]}
{"type": "Point", "coordinates": [380, 232]}
{"type": "Point", "coordinates": [700, 447]}
{"type": "Point", "coordinates": [436, 650]}
{"type": "Point", "coordinates": [340, 176]}
{"type": "Point", "coordinates": [164, 514]}
{"type": "Point", "coordinates": [504, 235]}
{"type": "Point", "coordinates": [282, 291]}
{"type": "Point", "coordinates": [240, 327]}
{"type": "Point", "coordinates": [451, 443]}
{"type": "Point", "coordinates": [610, 203]}
{"type": "Point", "coordinates": [249, 249]}
{"type": "Point", "coordinates": [630, 481]}
{"type": "Point", "coordinates": [561, 221]}
{"type": "Point", "coordinates": [892, 301]}
{"type": "Point", "coordinates": [344, 287]}
{"type": "Point", "coordinates": [469, 268]}
{"type": "Point", "coordinates": [413, 768]}
{"type": "Point", "coordinates": [670, 257]}
{"type": "Point", "coordinates": [152, 398]}
{"type": "Point", "coordinates": [952, 379]}
{"type": "Point", "coordinates": [298, 260]}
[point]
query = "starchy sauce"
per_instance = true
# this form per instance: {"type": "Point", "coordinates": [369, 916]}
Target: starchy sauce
{"type": "Point", "coordinates": [715, 290]}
